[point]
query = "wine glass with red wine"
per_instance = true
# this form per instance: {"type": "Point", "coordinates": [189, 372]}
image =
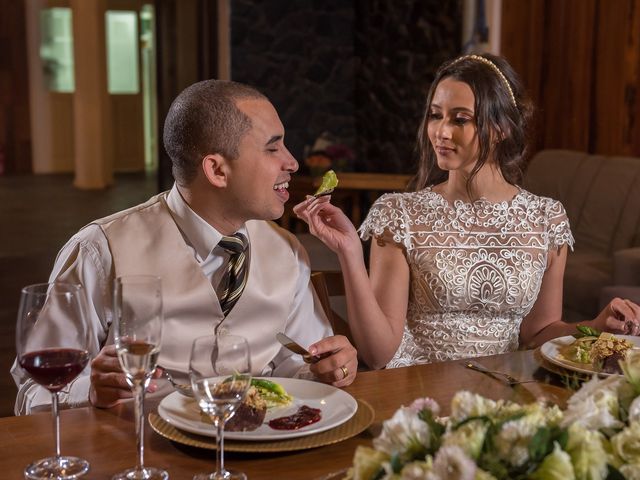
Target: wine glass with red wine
{"type": "Point", "coordinates": [52, 338]}
{"type": "Point", "coordinates": [138, 332]}
{"type": "Point", "coordinates": [220, 373]}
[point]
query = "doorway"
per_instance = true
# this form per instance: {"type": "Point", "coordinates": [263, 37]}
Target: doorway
{"type": "Point", "coordinates": [130, 57]}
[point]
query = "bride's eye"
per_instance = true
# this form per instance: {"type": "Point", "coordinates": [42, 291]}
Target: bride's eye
{"type": "Point", "coordinates": [461, 120]}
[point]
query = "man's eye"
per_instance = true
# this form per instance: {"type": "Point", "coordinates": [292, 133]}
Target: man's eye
{"type": "Point", "coordinates": [272, 150]}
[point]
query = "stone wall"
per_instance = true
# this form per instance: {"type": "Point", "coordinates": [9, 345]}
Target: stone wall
{"type": "Point", "coordinates": [357, 69]}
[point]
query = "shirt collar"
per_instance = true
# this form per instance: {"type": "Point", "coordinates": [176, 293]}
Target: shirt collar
{"type": "Point", "coordinates": [202, 236]}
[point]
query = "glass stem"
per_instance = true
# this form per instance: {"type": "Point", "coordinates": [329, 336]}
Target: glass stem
{"type": "Point", "coordinates": [139, 414]}
{"type": "Point", "coordinates": [219, 423]}
{"type": "Point", "coordinates": [56, 421]}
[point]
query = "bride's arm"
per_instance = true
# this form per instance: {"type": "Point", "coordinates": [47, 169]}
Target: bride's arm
{"type": "Point", "coordinates": [376, 302]}
{"type": "Point", "coordinates": [544, 321]}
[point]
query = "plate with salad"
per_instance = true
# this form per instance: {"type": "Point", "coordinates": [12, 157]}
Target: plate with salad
{"type": "Point", "coordinates": [589, 351]}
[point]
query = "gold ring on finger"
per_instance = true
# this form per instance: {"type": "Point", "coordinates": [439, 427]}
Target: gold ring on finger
{"type": "Point", "coordinates": [345, 372]}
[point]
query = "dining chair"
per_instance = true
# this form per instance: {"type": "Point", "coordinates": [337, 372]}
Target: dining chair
{"type": "Point", "coordinates": [330, 284]}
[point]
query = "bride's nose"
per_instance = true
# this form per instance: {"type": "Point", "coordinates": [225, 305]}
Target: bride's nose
{"type": "Point", "coordinates": [443, 132]}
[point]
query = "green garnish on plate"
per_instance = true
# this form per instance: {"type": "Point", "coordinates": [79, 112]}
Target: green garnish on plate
{"type": "Point", "coordinates": [584, 331]}
{"type": "Point", "coordinates": [271, 392]}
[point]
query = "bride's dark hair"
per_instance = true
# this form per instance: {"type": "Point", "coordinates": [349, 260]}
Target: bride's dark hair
{"type": "Point", "coordinates": [503, 112]}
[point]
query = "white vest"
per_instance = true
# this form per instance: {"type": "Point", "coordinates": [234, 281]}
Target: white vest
{"type": "Point", "coordinates": [144, 240]}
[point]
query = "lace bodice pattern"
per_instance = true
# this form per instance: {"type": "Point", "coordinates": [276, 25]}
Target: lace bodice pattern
{"type": "Point", "coordinates": [475, 268]}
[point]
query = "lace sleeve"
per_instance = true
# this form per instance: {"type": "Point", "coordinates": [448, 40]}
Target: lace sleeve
{"type": "Point", "coordinates": [386, 219]}
{"type": "Point", "coordinates": [559, 228]}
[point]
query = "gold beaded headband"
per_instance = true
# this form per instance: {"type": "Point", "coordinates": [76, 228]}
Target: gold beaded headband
{"type": "Point", "coordinates": [494, 67]}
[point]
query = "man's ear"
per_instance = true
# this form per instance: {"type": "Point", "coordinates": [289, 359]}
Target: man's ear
{"type": "Point", "coordinates": [214, 167]}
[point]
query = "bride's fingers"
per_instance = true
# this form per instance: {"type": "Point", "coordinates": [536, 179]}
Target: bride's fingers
{"type": "Point", "coordinates": [622, 310]}
{"type": "Point", "coordinates": [635, 308]}
{"type": "Point", "coordinates": [300, 207]}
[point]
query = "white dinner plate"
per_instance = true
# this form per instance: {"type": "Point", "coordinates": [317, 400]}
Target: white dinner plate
{"type": "Point", "coordinates": [336, 407]}
{"type": "Point", "coordinates": [551, 351]}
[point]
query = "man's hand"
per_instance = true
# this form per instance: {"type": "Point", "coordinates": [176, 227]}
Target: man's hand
{"type": "Point", "coordinates": [108, 382]}
{"type": "Point", "coordinates": [340, 367]}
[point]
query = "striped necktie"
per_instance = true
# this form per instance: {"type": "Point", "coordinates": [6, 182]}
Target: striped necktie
{"type": "Point", "coordinates": [234, 278]}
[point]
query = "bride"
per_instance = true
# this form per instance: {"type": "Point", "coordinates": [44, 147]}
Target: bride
{"type": "Point", "coordinates": [467, 263]}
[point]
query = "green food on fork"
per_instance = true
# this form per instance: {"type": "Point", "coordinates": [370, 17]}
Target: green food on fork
{"type": "Point", "coordinates": [328, 185]}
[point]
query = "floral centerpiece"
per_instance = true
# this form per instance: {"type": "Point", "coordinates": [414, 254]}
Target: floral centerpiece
{"type": "Point", "coordinates": [596, 437]}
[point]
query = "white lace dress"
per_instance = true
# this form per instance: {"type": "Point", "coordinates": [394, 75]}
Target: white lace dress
{"type": "Point", "coordinates": [475, 268]}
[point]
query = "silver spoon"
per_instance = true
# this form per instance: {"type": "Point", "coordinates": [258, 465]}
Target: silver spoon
{"type": "Point", "coordinates": [182, 388]}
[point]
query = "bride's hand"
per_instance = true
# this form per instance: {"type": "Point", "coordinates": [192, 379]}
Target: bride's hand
{"type": "Point", "coordinates": [620, 316]}
{"type": "Point", "coordinates": [329, 224]}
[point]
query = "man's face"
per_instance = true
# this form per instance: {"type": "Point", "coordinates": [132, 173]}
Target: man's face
{"type": "Point", "coordinates": [259, 177]}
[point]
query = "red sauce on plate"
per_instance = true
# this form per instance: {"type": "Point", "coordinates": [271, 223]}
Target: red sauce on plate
{"type": "Point", "coordinates": [303, 417]}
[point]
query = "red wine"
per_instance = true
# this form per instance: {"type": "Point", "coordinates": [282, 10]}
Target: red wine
{"type": "Point", "coordinates": [53, 368]}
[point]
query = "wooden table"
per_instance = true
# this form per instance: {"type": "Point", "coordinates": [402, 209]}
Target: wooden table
{"type": "Point", "coordinates": [106, 437]}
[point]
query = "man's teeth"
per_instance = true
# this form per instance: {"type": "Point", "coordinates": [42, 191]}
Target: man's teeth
{"type": "Point", "coordinates": [279, 186]}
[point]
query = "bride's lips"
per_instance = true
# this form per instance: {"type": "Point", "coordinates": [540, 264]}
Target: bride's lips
{"type": "Point", "coordinates": [443, 150]}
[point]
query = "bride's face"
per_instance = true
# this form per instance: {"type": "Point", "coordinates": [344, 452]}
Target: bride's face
{"type": "Point", "coordinates": [451, 126]}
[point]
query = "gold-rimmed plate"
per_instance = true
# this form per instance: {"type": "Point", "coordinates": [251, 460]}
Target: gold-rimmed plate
{"type": "Point", "coordinates": [336, 406]}
{"type": "Point", "coordinates": [358, 423]}
{"type": "Point", "coordinates": [550, 351]}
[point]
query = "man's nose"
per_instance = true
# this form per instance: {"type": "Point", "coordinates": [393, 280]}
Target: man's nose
{"type": "Point", "coordinates": [291, 164]}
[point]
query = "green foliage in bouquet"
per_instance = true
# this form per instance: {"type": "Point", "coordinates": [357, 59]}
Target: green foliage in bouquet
{"type": "Point", "coordinates": [596, 438]}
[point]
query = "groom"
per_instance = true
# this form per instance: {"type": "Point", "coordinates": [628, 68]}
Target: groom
{"type": "Point", "coordinates": [232, 170]}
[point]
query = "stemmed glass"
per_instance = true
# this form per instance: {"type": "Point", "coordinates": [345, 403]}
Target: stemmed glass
{"type": "Point", "coordinates": [138, 331]}
{"type": "Point", "coordinates": [52, 338]}
{"type": "Point", "coordinates": [220, 373]}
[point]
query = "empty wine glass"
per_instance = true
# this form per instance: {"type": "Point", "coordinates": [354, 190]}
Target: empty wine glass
{"type": "Point", "coordinates": [220, 373]}
{"type": "Point", "coordinates": [52, 338]}
{"type": "Point", "coordinates": [138, 331]}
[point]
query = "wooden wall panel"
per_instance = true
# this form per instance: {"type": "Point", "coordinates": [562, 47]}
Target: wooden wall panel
{"type": "Point", "coordinates": [15, 131]}
{"type": "Point", "coordinates": [580, 60]}
{"type": "Point", "coordinates": [566, 64]}
{"type": "Point", "coordinates": [522, 43]}
{"type": "Point", "coordinates": [616, 108]}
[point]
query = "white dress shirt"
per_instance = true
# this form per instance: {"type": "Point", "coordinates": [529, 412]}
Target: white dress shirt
{"type": "Point", "coordinates": [87, 259]}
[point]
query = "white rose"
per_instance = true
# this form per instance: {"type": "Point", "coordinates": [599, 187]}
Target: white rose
{"type": "Point", "coordinates": [595, 405]}
{"type": "Point", "coordinates": [366, 463]}
{"type": "Point", "coordinates": [588, 453]}
{"type": "Point", "coordinates": [402, 431]}
{"type": "Point", "coordinates": [451, 463]}
{"type": "Point", "coordinates": [631, 471]}
{"type": "Point", "coordinates": [626, 444]}
{"type": "Point", "coordinates": [466, 404]}
{"type": "Point", "coordinates": [469, 437]}
{"type": "Point", "coordinates": [631, 368]}
{"type": "Point", "coordinates": [513, 439]}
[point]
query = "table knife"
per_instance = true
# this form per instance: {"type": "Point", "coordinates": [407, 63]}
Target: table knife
{"type": "Point", "coordinates": [296, 348]}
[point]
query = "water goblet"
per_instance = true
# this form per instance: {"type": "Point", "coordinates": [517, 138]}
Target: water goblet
{"type": "Point", "coordinates": [138, 332]}
{"type": "Point", "coordinates": [220, 373]}
{"type": "Point", "coordinates": [52, 339]}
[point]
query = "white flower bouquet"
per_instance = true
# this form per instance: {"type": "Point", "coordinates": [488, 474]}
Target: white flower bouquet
{"type": "Point", "coordinates": [596, 437]}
